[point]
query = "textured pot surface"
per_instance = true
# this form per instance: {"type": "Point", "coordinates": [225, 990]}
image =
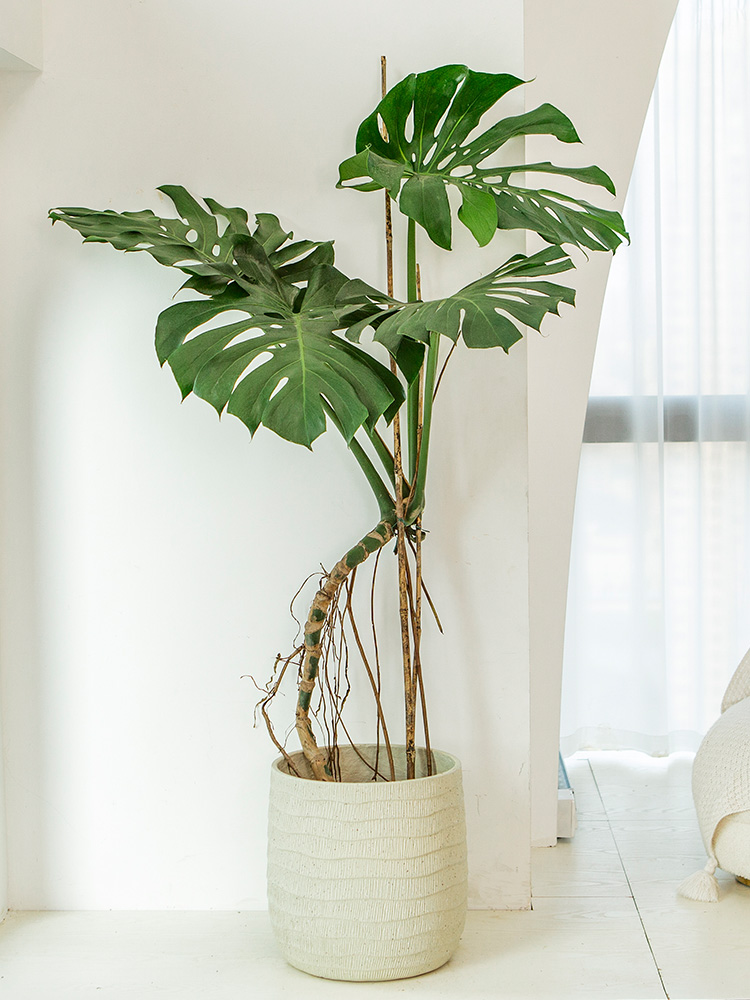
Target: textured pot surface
{"type": "Point", "coordinates": [366, 879]}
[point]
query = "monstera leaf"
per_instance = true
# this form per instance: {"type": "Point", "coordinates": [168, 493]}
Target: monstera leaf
{"type": "Point", "coordinates": [279, 362]}
{"type": "Point", "coordinates": [193, 243]}
{"type": "Point", "coordinates": [281, 376]}
{"type": "Point", "coordinates": [428, 120]}
{"type": "Point", "coordinates": [489, 312]}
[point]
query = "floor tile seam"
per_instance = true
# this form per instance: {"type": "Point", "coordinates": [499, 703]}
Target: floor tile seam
{"type": "Point", "coordinates": [584, 895]}
{"type": "Point", "coordinates": [630, 887]}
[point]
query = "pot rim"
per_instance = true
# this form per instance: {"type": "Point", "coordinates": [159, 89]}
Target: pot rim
{"type": "Point", "coordinates": [455, 766]}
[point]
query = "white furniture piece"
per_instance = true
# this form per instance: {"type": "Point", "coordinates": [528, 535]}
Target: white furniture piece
{"type": "Point", "coordinates": [721, 791]}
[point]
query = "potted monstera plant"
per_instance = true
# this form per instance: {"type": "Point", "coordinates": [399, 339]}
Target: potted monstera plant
{"type": "Point", "coordinates": [367, 863]}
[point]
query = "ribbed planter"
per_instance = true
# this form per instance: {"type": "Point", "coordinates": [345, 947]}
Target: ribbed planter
{"type": "Point", "coordinates": [367, 880]}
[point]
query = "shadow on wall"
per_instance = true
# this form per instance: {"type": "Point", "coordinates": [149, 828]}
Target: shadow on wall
{"type": "Point", "coordinates": [19, 592]}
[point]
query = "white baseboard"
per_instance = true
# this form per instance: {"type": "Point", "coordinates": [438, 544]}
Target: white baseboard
{"type": "Point", "coordinates": [566, 804]}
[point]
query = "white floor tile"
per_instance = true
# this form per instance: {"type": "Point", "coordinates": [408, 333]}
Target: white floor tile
{"type": "Point", "coordinates": [606, 919]}
{"type": "Point", "coordinates": [563, 949]}
{"type": "Point", "coordinates": [589, 803]}
{"type": "Point", "coordinates": [639, 788]}
{"type": "Point", "coordinates": [587, 865]}
{"type": "Point", "coordinates": [703, 949]}
{"type": "Point", "coordinates": [657, 839]}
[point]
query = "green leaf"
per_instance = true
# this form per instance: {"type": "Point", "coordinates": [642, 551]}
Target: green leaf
{"type": "Point", "coordinates": [587, 175]}
{"type": "Point", "coordinates": [269, 233]}
{"type": "Point", "coordinates": [383, 173]}
{"type": "Point", "coordinates": [490, 312]}
{"type": "Point", "coordinates": [297, 361]}
{"type": "Point", "coordinates": [430, 120]}
{"type": "Point", "coordinates": [191, 243]}
{"type": "Point", "coordinates": [263, 345]}
{"type": "Point", "coordinates": [197, 218]}
{"type": "Point", "coordinates": [478, 213]}
{"type": "Point", "coordinates": [196, 243]}
{"type": "Point", "coordinates": [425, 200]}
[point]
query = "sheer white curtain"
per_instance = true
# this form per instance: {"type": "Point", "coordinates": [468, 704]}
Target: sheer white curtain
{"type": "Point", "coordinates": [659, 601]}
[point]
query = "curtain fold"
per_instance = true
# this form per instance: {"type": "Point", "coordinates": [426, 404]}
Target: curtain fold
{"type": "Point", "coordinates": [659, 598]}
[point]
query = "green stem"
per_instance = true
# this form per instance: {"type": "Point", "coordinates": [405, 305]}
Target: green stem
{"type": "Point", "coordinates": [412, 396]}
{"type": "Point", "coordinates": [387, 459]}
{"type": "Point", "coordinates": [416, 504]}
{"type": "Point", "coordinates": [411, 262]}
{"type": "Point", "coordinates": [384, 454]}
{"type": "Point", "coordinates": [385, 501]}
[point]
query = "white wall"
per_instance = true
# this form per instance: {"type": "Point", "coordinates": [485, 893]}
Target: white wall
{"type": "Point", "coordinates": [20, 35]}
{"type": "Point", "coordinates": [149, 552]}
{"type": "Point", "coordinates": [20, 51]}
{"type": "Point", "coordinates": [602, 75]}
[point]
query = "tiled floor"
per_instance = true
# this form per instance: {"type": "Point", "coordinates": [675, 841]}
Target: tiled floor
{"type": "Point", "coordinates": [606, 923]}
{"type": "Point", "coordinates": [638, 838]}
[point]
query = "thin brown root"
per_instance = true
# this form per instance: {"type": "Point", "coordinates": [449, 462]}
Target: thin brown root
{"type": "Point", "coordinates": [418, 643]}
{"type": "Point", "coordinates": [291, 603]}
{"type": "Point", "coordinates": [271, 691]}
{"type": "Point", "coordinates": [349, 610]}
{"type": "Point", "coordinates": [376, 772]}
{"type": "Point", "coordinates": [417, 678]}
{"type": "Point", "coordinates": [376, 649]}
{"type": "Point", "coordinates": [442, 370]}
{"type": "Point", "coordinates": [426, 593]}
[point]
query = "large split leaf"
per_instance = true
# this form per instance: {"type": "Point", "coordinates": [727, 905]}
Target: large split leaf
{"type": "Point", "coordinates": [490, 312]}
{"type": "Point", "coordinates": [278, 360]}
{"type": "Point", "coordinates": [277, 366]}
{"type": "Point", "coordinates": [200, 243]}
{"type": "Point", "coordinates": [429, 121]}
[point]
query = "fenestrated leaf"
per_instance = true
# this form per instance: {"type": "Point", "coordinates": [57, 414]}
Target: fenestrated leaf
{"type": "Point", "coordinates": [200, 243]}
{"type": "Point", "coordinates": [429, 144]}
{"type": "Point", "coordinates": [278, 366]}
{"type": "Point", "coordinates": [490, 312]}
{"type": "Point", "coordinates": [269, 233]}
{"type": "Point", "coordinates": [278, 360]}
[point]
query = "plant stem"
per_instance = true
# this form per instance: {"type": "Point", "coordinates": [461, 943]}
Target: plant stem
{"type": "Point", "coordinates": [412, 396]}
{"type": "Point", "coordinates": [316, 619]}
{"type": "Point", "coordinates": [383, 452]}
{"type": "Point", "coordinates": [384, 499]}
{"type": "Point", "coordinates": [417, 501]}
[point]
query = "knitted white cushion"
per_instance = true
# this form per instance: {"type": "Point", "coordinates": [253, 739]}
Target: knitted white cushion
{"type": "Point", "coordinates": [721, 790]}
{"type": "Point", "coordinates": [732, 844]}
{"type": "Point", "coordinates": [739, 686]}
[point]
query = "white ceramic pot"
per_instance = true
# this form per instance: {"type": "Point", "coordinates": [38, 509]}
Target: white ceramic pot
{"type": "Point", "coordinates": [367, 879]}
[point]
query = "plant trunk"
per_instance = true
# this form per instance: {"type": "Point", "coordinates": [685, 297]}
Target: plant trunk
{"type": "Point", "coordinates": [316, 619]}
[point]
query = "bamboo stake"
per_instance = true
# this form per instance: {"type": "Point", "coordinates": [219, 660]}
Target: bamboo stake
{"type": "Point", "coordinates": [388, 218]}
{"type": "Point", "coordinates": [403, 598]}
{"type": "Point", "coordinates": [417, 679]}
